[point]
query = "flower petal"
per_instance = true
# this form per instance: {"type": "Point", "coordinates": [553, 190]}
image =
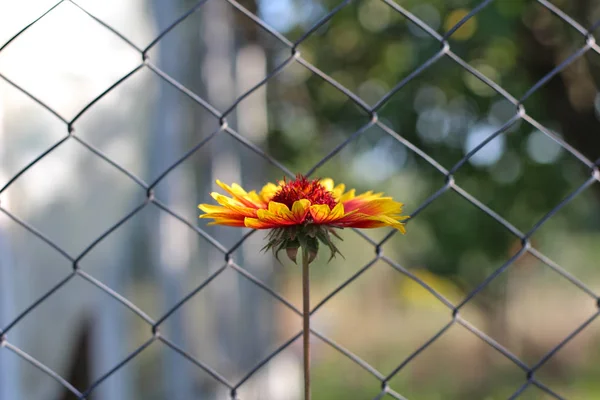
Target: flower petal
{"type": "Point", "coordinates": [358, 220]}
{"type": "Point", "coordinates": [234, 205]}
{"type": "Point", "coordinates": [373, 204]}
{"type": "Point", "coordinates": [211, 208]}
{"type": "Point", "coordinates": [389, 221]}
{"type": "Point", "coordinates": [300, 209]}
{"type": "Point", "coordinates": [349, 195]}
{"type": "Point", "coordinates": [337, 212]}
{"type": "Point", "coordinates": [239, 194]}
{"type": "Point", "coordinates": [255, 198]}
{"type": "Point", "coordinates": [338, 191]}
{"type": "Point", "coordinates": [219, 212]}
{"type": "Point", "coordinates": [255, 223]}
{"type": "Point", "coordinates": [268, 191]}
{"type": "Point", "coordinates": [279, 209]}
{"type": "Point", "coordinates": [319, 213]}
{"type": "Point", "coordinates": [228, 215]}
{"type": "Point", "coordinates": [343, 209]}
{"type": "Point", "coordinates": [327, 183]}
{"type": "Point", "coordinates": [278, 214]}
{"type": "Point", "coordinates": [228, 222]}
{"type": "Point", "coordinates": [322, 214]}
{"type": "Point", "coordinates": [384, 205]}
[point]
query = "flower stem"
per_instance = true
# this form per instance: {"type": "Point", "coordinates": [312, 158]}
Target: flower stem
{"type": "Point", "coordinates": [306, 320]}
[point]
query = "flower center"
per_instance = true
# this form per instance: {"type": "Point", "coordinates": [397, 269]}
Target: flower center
{"type": "Point", "coordinates": [302, 188]}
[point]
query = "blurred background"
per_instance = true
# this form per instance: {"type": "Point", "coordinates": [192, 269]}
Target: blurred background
{"type": "Point", "coordinates": [54, 75]}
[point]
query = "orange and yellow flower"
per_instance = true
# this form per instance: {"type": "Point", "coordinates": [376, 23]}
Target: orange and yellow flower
{"type": "Point", "coordinates": [303, 202]}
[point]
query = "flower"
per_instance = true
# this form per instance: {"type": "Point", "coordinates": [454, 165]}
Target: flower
{"type": "Point", "coordinates": [301, 211]}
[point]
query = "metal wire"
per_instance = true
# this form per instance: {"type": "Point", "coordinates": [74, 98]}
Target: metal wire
{"type": "Point", "coordinates": [445, 51]}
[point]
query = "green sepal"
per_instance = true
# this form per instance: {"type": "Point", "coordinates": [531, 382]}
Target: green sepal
{"type": "Point", "coordinates": [306, 236]}
{"type": "Point", "coordinates": [334, 233]}
{"type": "Point", "coordinates": [324, 237]}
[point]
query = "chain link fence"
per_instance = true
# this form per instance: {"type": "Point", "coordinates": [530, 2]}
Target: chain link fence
{"type": "Point", "coordinates": [529, 377]}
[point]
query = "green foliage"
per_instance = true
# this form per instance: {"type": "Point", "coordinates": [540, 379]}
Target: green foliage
{"type": "Point", "coordinates": [445, 111]}
{"type": "Point", "coordinates": [369, 48]}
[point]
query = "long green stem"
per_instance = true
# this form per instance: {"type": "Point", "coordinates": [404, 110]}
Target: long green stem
{"type": "Point", "coordinates": [306, 321]}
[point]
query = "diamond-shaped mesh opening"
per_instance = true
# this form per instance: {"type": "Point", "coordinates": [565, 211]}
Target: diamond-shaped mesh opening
{"type": "Point", "coordinates": [463, 261]}
{"type": "Point", "coordinates": [280, 117]}
{"type": "Point", "coordinates": [237, 71]}
{"type": "Point", "coordinates": [447, 111]}
{"type": "Point", "coordinates": [60, 181]}
{"type": "Point", "coordinates": [523, 319]}
{"type": "Point", "coordinates": [63, 50]}
{"type": "Point", "coordinates": [208, 343]}
{"type": "Point", "coordinates": [126, 144]}
{"type": "Point", "coordinates": [400, 48]}
{"type": "Point", "coordinates": [364, 331]}
{"type": "Point", "coordinates": [489, 372]}
{"type": "Point", "coordinates": [522, 163]}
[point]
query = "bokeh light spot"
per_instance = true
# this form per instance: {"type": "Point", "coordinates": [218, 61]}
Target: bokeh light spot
{"type": "Point", "coordinates": [466, 30]}
{"type": "Point", "coordinates": [542, 149]}
{"type": "Point", "coordinates": [491, 152]}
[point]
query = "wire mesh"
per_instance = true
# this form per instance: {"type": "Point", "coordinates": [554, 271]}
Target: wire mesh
{"type": "Point", "coordinates": [295, 56]}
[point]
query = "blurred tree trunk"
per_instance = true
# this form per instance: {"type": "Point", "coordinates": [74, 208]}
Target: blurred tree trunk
{"type": "Point", "coordinates": [569, 96]}
{"type": "Point", "coordinates": [169, 257]}
{"type": "Point", "coordinates": [79, 366]}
